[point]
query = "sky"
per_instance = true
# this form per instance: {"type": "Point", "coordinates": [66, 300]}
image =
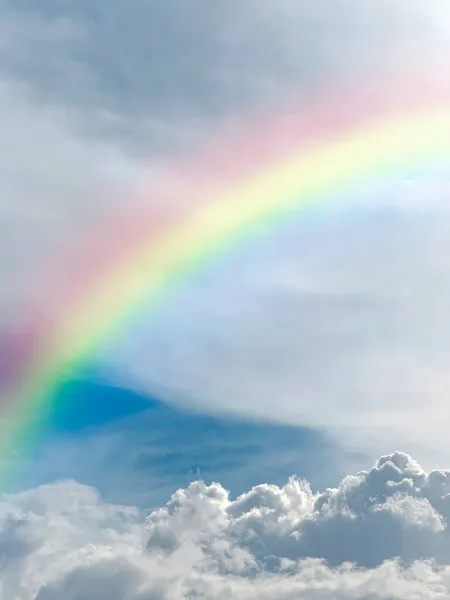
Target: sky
{"type": "Point", "coordinates": [279, 429]}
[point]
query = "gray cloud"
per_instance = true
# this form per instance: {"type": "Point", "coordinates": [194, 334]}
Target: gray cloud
{"type": "Point", "coordinates": [82, 85]}
{"type": "Point", "coordinates": [153, 72]}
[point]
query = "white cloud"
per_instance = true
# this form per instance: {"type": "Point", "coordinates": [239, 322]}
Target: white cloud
{"type": "Point", "coordinates": [382, 534]}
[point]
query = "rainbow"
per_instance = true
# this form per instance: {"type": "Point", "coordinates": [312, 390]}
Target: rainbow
{"type": "Point", "coordinates": [270, 170]}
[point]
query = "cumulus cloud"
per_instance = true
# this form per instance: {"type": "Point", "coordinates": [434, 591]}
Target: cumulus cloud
{"type": "Point", "coordinates": [382, 534]}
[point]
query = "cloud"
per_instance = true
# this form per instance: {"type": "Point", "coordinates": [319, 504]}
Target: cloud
{"type": "Point", "coordinates": [55, 186]}
{"type": "Point", "coordinates": [153, 73]}
{"type": "Point", "coordinates": [87, 95]}
{"type": "Point", "coordinates": [382, 534]}
{"type": "Point", "coordinates": [393, 510]}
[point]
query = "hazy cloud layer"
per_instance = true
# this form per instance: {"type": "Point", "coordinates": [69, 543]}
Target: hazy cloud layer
{"type": "Point", "coordinates": [339, 320]}
{"type": "Point", "coordinates": [382, 534]}
{"type": "Point", "coordinates": [94, 97]}
{"type": "Point", "coordinates": [82, 86]}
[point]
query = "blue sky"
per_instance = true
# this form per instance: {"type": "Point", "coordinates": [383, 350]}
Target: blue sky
{"type": "Point", "coordinates": [138, 450]}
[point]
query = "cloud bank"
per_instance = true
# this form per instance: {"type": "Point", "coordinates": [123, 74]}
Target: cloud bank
{"type": "Point", "coordinates": [380, 535]}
